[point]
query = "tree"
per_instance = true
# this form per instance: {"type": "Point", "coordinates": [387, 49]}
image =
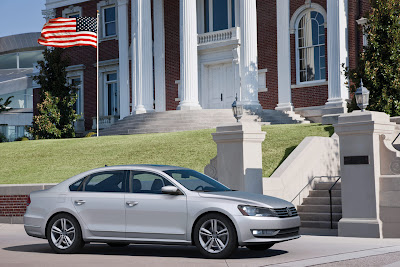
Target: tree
{"type": "Point", "coordinates": [379, 63]}
{"type": "Point", "coordinates": [57, 98]}
{"type": "Point", "coordinates": [3, 107]}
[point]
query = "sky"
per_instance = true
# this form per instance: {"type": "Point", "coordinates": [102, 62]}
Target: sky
{"type": "Point", "coordinates": [21, 16]}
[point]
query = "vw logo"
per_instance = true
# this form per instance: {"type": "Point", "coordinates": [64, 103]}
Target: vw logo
{"type": "Point", "coordinates": [289, 212]}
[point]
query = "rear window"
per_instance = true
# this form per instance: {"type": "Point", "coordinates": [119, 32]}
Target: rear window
{"type": "Point", "coordinates": [76, 186]}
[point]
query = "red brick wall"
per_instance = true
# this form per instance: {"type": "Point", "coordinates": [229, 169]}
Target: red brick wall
{"type": "Point", "coordinates": [267, 51]}
{"type": "Point", "coordinates": [13, 205]}
{"type": "Point", "coordinates": [172, 52]}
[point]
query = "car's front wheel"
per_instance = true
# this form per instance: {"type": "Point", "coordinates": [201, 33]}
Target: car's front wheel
{"type": "Point", "coordinates": [215, 236]}
{"type": "Point", "coordinates": [64, 234]}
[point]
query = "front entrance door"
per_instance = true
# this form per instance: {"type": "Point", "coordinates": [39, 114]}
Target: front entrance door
{"type": "Point", "coordinates": [220, 86]}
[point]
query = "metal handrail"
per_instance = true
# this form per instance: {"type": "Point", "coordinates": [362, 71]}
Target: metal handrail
{"type": "Point", "coordinates": [330, 199]}
{"type": "Point", "coordinates": [310, 183]}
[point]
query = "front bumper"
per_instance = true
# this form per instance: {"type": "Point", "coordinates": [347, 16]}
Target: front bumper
{"type": "Point", "coordinates": [288, 229]}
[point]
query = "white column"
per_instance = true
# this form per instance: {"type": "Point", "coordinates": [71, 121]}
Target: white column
{"type": "Point", "coordinates": [159, 54]}
{"type": "Point", "coordinates": [123, 59]}
{"type": "Point", "coordinates": [248, 53]}
{"type": "Point", "coordinates": [188, 51]}
{"type": "Point", "coordinates": [337, 53]}
{"type": "Point", "coordinates": [144, 58]}
{"type": "Point", "coordinates": [283, 47]}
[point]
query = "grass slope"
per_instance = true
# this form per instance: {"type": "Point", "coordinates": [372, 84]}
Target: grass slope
{"type": "Point", "coordinates": [52, 161]}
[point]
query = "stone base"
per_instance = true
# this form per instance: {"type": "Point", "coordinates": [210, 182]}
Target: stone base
{"type": "Point", "coordinates": [354, 227]}
{"type": "Point", "coordinates": [284, 107]}
{"type": "Point", "coordinates": [188, 106]}
{"type": "Point", "coordinates": [12, 220]}
{"type": "Point", "coordinates": [330, 119]}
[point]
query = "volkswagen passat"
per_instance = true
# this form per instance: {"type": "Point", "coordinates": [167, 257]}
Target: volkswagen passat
{"type": "Point", "coordinates": [159, 205]}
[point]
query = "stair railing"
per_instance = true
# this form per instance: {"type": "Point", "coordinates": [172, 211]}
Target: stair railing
{"type": "Point", "coordinates": [309, 183]}
{"type": "Point", "coordinates": [330, 200]}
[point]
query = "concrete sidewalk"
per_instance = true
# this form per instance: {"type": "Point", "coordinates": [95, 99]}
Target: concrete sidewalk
{"type": "Point", "coordinates": [18, 249]}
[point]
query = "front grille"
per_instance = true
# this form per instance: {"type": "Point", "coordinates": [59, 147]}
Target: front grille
{"type": "Point", "coordinates": [286, 212]}
{"type": "Point", "coordinates": [287, 232]}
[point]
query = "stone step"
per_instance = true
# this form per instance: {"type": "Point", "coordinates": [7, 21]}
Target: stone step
{"type": "Point", "coordinates": [311, 216]}
{"type": "Point", "coordinates": [318, 224]}
{"type": "Point", "coordinates": [321, 201]}
{"type": "Point", "coordinates": [325, 193]}
{"type": "Point", "coordinates": [327, 186]}
{"type": "Point", "coordinates": [319, 208]}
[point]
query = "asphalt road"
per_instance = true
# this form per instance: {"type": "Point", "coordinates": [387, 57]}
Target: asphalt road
{"type": "Point", "coordinates": [18, 249]}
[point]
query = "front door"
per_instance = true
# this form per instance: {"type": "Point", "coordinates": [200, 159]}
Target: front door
{"type": "Point", "coordinates": [101, 203]}
{"type": "Point", "coordinates": [150, 214]}
{"type": "Point", "coordinates": [220, 86]}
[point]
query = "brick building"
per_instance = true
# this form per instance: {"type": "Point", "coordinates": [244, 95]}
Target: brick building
{"type": "Point", "coordinates": [190, 54]}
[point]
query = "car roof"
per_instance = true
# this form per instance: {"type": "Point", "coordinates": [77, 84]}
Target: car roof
{"type": "Point", "coordinates": [148, 166]}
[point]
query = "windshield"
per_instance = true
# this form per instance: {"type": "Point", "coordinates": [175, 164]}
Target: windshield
{"type": "Point", "coordinates": [195, 181]}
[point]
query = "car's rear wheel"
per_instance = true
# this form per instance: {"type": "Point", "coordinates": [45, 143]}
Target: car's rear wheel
{"type": "Point", "coordinates": [64, 234]}
{"type": "Point", "coordinates": [260, 246]}
{"type": "Point", "coordinates": [215, 236]}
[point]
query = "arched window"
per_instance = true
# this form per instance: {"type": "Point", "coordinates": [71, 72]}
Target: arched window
{"type": "Point", "coordinates": [310, 48]}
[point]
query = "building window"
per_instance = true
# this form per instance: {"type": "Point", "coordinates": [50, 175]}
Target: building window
{"type": "Point", "coordinates": [310, 48]}
{"type": "Point", "coordinates": [78, 106]}
{"type": "Point", "coordinates": [73, 15]}
{"type": "Point", "coordinates": [20, 60]}
{"type": "Point", "coordinates": [109, 21]}
{"type": "Point", "coordinates": [219, 15]}
{"type": "Point", "coordinates": [111, 94]}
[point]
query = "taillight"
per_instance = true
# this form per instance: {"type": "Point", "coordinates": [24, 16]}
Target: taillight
{"type": "Point", "coordinates": [28, 201]}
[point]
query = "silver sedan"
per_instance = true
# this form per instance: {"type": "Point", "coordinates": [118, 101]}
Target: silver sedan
{"type": "Point", "coordinates": [156, 204]}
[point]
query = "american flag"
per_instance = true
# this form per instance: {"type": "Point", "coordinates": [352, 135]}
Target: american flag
{"type": "Point", "coordinates": [67, 32]}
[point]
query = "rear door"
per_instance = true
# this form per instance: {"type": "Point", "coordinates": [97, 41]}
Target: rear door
{"type": "Point", "coordinates": [100, 203]}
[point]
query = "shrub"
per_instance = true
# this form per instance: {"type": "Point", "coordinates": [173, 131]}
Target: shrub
{"type": "Point", "coordinates": [3, 138]}
{"type": "Point", "coordinates": [90, 134]}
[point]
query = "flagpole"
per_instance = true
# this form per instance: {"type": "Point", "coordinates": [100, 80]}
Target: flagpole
{"type": "Point", "coordinates": [97, 75]}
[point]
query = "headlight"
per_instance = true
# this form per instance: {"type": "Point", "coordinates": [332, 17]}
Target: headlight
{"type": "Point", "coordinates": [256, 211]}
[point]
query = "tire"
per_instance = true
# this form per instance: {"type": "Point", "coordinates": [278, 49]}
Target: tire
{"type": "Point", "coordinates": [118, 245]}
{"type": "Point", "coordinates": [209, 242]}
{"type": "Point", "coordinates": [64, 234]}
{"type": "Point", "coordinates": [260, 246]}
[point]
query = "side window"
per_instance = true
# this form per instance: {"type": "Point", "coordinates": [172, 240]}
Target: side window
{"type": "Point", "coordinates": [146, 182]}
{"type": "Point", "coordinates": [109, 21]}
{"type": "Point", "coordinates": [112, 181]}
{"type": "Point", "coordinates": [76, 186]}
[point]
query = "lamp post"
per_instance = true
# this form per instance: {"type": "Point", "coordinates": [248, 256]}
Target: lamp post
{"type": "Point", "coordinates": [362, 97]}
{"type": "Point", "coordinates": [237, 109]}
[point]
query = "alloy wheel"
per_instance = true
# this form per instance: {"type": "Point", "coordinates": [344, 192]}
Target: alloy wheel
{"type": "Point", "coordinates": [63, 233]}
{"type": "Point", "coordinates": [213, 236]}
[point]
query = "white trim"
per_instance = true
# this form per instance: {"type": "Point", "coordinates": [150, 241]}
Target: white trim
{"type": "Point", "coordinates": [301, 11]}
{"type": "Point", "coordinates": [309, 84]}
{"type": "Point", "coordinates": [81, 97]}
{"type": "Point", "coordinates": [105, 92]}
{"type": "Point", "coordinates": [60, 3]}
{"type": "Point", "coordinates": [72, 10]}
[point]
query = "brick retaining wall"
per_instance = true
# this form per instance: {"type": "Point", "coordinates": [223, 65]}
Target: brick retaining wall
{"type": "Point", "coordinates": [13, 200]}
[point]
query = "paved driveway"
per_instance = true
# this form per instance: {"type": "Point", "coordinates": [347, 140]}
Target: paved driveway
{"type": "Point", "coordinates": [18, 249]}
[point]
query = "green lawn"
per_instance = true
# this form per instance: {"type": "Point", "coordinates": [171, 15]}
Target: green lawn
{"type": "Point", "coordinates": [51, 161]}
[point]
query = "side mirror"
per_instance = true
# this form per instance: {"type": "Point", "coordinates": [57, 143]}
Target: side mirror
{"type": "Point", "coordinates": [171, 190]}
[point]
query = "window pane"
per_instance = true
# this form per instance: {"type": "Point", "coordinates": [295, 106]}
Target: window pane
{"type": "Point", "coordinates": [320, 19]}
{"type": "Point", "coordinates": [322, 50]}
{"type": "Point", "coordinates": [110, 29]}
{"type": "Point", "coordinates": [75, 186]}
{"type": "Point", "coordinates": [8, 61]}
{"type": "Point", "coordinates": [321, 39]}
{"type": "Point", "coordinates": [145, 182]}
{"type": "Point", "coordinates": [220, 15]}
{"type": "Point", "coordinates": [27, 59]}
{"type": "Point", "coordinates": [206, 16]}
{"type": "Point", "coordinates": [113, 181]}
{"type": "Point", "coordinates": [316, 63]}
{"type": "Point", "coordinates": [112, 77]}
{"type": "Point", "coordinates": [109, 14]}
{"type": "Point", "coordinates": [233, 13]}
{"type": "Point", "coordinates": [73, 15]}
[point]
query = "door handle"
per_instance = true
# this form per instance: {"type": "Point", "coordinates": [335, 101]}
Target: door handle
{"type": "Point", "coordinates": [131, 203]}
{"type": "Point", "coordinates": [80, 202]}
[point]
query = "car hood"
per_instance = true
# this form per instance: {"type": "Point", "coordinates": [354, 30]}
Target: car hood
{"type": "Point", "coordinates": [248, 198]}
